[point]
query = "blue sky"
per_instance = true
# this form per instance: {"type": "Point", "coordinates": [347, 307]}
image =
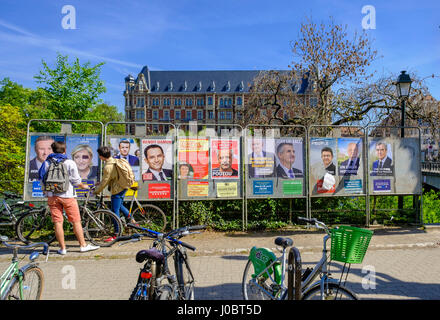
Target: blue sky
{"type": "Point", "coordinates": [205, 35]}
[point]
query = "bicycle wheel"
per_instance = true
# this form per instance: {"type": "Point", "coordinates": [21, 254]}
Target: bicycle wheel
{"type": "Point", "coordinates": [165, 292]}
{"type": "Point", "coordinates": [32, 284]}
{"type": "Point", "coordinates": [184, 276]}
{"type": "Point", "coordinates": [261, 288]}
{"type": "Point", "coordinates": [102, 227]}
{"type": "Point", "coordinates": [151, 217]}
{"type": "Point", "coordinates": [144, 289]}
{"type": "Point", "coordinates": [35, 226]}
{"type": "Point", "coordinates": [333, 291]}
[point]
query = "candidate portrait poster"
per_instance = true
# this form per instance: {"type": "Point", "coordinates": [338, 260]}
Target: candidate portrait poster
{"type": "Point", "coordinates": [83, 151]}
{"type": "Point", "coordinates": [193, 158]}
{"type": "Point", "coordinates": [289, 158]}
{"type": "Point", "coordinates": [128, 149]}
{"type": "Point", "coordinates": [381, 158]}
{"type": "Point", "coordinates": [225, 159]}
{"type": "Point", "coordinates": [260, 157]}
{"type": "Point", "coordinates": [157, 160]}
{"type": "Point", "coordinates": [349, 156]}
{"type": "Point", "coordinates": [323, 169]}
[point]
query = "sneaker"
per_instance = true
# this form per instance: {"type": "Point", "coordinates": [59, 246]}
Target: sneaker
{"type": "Point", "coordinates": [89, 247]}
{"type": "Point", "coordinates": [62, 251]}
{"type": "Point", "coordinates": [110, 239]}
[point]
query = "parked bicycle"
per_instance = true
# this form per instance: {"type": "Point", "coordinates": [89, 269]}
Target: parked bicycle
{"type": "Point", "coordinates": [151, 280]}
{"type": "Point", "coordinates": [99, 225]}
{"type": "Point", "coordinates": [265, 274]}
{"type": "Point", "coordinates": [11, 212]}
{"type": "Point", "coordinates": [25, 283]}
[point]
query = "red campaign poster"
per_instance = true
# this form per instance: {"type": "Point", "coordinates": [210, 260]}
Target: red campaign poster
{"type": "Point", "coordinates": [159, 191]}
{"type": "Point", "coordinates": [193, 158]}
{"type": "Point", "coordinates": [320, 189]}
{"type": "Point", "coordinates": [225, 159]}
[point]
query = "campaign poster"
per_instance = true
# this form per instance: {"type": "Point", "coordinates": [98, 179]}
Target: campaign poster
{"type": "Point", "coordinates": [349, 156]}
{"type": "Point", "coordinates": [193, 158]}
{"type": "Point", "coordinates": [198, 188]}
{"type": "Point", "coordinates": [381, 158]}
{"type": "Point", "coordinates": [260, 157]}
{"type": "Point", "coordinates": [129, 149]}
{"type": "Point", "coordinates": [159, 191]}
{"type": "Point", "coordinates": [157, 159]}
{"type": "Point", "coordinates": [322, 165]}
{"type": "Point", "coordinates": [39, 149]}
{"type": "Point", "coordinates": [289, 158]}
{"type": "Point", "coordinates": [83, 151]}
{"type": "Point", "coordinates": [225, 159]}
{"type": "Point", "coordinates": [227, 189]}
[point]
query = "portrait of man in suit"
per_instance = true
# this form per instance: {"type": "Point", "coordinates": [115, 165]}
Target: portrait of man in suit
{"type": "Point", "coordinates": [42, 150]}
{"type": "Point", "coordinates": [383, 166]}
{"type": "Point", "coordinates": [155, 158]}
{"type": "Point", "coordinates": [124, 149]}
{"type": "Point", "coordinates": [261, 163]}
{"type": "Point", "coordinates": [286, 157]}
{"type": "Point", "coordinates": [224, 170]}
{"type": "Point", "coordinates": [351, 165]}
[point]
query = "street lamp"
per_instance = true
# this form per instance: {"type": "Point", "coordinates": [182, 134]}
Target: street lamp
{"type": "Point", "coordinates": [403, 85]}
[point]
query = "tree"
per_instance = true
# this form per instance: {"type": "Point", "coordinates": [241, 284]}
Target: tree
{"type": "Point", "coordinates": [71, 89]}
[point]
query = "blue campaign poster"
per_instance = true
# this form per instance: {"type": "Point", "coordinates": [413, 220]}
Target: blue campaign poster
{"type": "Point", "coordinates": [263, 187]}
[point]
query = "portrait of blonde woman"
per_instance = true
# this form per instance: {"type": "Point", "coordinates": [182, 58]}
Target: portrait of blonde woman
{"type": "Point", "coordinates": [82, 154]}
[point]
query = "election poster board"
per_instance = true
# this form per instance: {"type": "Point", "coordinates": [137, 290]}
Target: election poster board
{"type": "Point", "coordinates": [275, 167]}
{"type": "Point", "coordinates": [209, 168]}
{"type": "Point", "coordinates": [394, 166]}
{"type": "Point", "coordinates": [336, 166]}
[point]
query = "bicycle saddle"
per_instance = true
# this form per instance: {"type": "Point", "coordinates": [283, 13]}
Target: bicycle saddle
{"type": "Point", "coordinates": [284, 242]}
{"type": "Point", "coordinates": [134, 188]}
{"type": "Point", "coordinates": [152, 254]}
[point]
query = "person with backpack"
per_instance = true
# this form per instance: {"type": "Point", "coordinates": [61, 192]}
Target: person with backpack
{"type": "Point", "coordinates": [59, 176]}
{"type": "Point", "coordinates": [119, 177]}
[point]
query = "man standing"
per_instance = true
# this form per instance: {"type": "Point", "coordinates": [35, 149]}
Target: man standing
{"type": "Point", "coordinates": [110, 178]}
{"type": "Point", "coordinates": [224, 170]}
{"type": "Point", "coordinates": [42, 150]}
{"type": "Point", "coordinates": [351, 165]}
{"type": "Point", "coordinates": [155, 158]}
{"type": "Point", "coordinates": [286, 156]}
{"type": "Point", "coordinates": [124, 149]}
{"type": "Point", "coordinates": [66, 201]}
{"type": "Point", "coordinates": [383, 166]}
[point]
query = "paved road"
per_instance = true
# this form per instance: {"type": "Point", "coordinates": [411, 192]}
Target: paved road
{"type": "Point", "coordinates": [399, 269]}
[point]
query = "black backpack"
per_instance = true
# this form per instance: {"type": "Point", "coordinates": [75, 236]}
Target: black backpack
{"type": "Point", "coordinates": [56, 179]}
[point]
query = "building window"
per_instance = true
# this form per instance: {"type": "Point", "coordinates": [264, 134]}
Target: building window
{"type": "Point", "coordinates": [166, 115]}
{"type": "Point", "coordinates": [221, 102]}
{"type": "Point", "coordinates": [155, 115]}
{"type": "Point", "coordinates": [228, 115]}
{"type": "Point", "coordinates": [199, 115]}
{"type": "Point", "coordinates": [239, 116]}
{"type": "Point", "coordinates": [177, 115]}
{"type": "Point", "coordinates": [222, 115]}
{"type": "Point", "coordinates": [211, 115]}
{"type": "Point", "coordinates": [239, 101]}
{"type": "Point", "coordinates": [210, 101]}
{"type": "Point", "coordinates": [140, 114]}
{"type": "Point", "coordinates": [188, 115]}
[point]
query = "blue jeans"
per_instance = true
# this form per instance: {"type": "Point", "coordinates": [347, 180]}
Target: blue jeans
{"type": "Point", "coordinates": [117, 205]}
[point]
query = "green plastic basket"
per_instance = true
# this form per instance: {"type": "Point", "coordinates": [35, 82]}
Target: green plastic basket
{"type": "Point", "coordinates": [349, 244]}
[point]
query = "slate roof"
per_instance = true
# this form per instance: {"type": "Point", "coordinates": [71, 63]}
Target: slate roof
{"type": "Point", "coordinates": [233, 81]}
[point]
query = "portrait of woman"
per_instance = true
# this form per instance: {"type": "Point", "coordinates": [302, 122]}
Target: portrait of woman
{"type": "Point", "coordinates": [82, 154]}
{"type": "Point", "coordinates": [185, 171]}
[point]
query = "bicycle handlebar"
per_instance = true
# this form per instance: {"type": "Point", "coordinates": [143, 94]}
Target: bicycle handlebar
{"type": "Point", "coordinates": [314, 221]}
{"type": "Point", "coordinates": [44, 244]}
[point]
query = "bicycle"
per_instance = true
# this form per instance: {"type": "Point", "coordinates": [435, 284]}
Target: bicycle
{"type": "Point", "coordinates": [25, 283]}
{"type": "Point", "coordinates": [98, 225]}
{"type": "Point", "coordinates": [150, 284]}
{"type": "Point", "coordinates": [269, 276]}
{"type": "Point", "coordinates": [10, 213]}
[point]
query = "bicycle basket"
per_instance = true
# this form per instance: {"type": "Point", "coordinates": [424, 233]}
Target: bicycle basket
{"type": "Point", "coordinates": [349, 244]}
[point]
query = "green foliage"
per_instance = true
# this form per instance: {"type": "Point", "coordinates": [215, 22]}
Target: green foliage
{"type": "Point", "coordinates": [71, 90]}
{"type": "Point", "coordinates": [431, 205]}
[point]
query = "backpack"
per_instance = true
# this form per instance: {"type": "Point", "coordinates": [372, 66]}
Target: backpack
{"type": "Point", "coordinates": [56, 179]}
{"type": "Point", "coordinates": [125, 173]}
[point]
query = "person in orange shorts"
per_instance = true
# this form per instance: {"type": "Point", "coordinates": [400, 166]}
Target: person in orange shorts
{"type": "Point", "coordinates": [66, 201]}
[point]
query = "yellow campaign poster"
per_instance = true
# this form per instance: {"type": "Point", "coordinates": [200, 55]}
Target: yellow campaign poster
{"type": "Point", "coordinates": [193, 157]}
{"type": "Point", "coordinates": [198, 188]}
{"type": "Point", "coordinates": [227, 189]}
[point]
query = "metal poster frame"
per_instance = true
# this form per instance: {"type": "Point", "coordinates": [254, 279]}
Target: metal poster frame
{"type": "Point", "coordinates": [336, 133]}
{"type": "Point", "coordinates": [144, 125]}
{"type": "Point", "coordinates": [396, 132]}
{"type": "Point", "coordinates": [66, 131]}
{"type": "Point", "coordinates": [208, 184]}
{"type": "Point", "coordinates": [275, 194]}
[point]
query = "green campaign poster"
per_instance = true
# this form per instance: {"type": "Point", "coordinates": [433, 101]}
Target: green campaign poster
{"type": "Point", "coordinates": [294, 187]}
